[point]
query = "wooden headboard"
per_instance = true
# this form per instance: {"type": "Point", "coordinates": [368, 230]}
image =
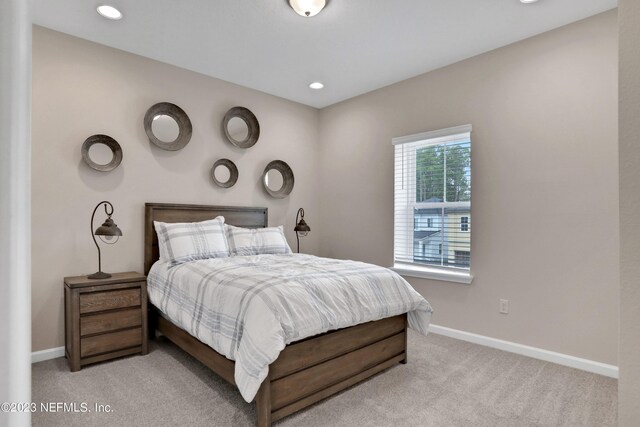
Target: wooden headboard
{"type": "Point", "coordinates": [164, 212]}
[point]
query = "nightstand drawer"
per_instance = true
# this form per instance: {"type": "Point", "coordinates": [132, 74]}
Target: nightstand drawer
{"type": "Point", "coordinates": [111, 321]}
{"type": "Point", "coordinates": [100, 301]}
{"type": "Point", "coordinates": [110, 342]}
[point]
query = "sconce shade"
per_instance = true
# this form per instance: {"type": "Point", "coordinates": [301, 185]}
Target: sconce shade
{"type": "Point", "coordinates": [302, 227]}
{"type": "Point", "coordinates": [108, 228]}
{"type": "Point", "coordinates": [307, 8]}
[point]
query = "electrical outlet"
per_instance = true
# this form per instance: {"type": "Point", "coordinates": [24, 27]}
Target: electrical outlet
{"type": "Point", "coordinates": [504, 306]}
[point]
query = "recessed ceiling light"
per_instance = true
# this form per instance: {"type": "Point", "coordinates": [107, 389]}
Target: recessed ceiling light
{"type": "Point", "coordinates": [528, 1]}
{"type": "Point", "coordinates": [316, 85]}
{"type": "Point", "coordinates": [109, 12]}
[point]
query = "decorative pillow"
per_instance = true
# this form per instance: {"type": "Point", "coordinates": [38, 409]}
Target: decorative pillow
{"type": "Point", "coordinates": [180, 242]}
{"type": "Point", "coordinates": [257, 241]}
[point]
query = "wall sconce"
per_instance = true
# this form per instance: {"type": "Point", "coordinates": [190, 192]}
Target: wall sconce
{"type": "Point", "coordinates": [109, 230]}
{"type": "Point", "coordinates": [301, 228]}
{"type": "Point", "coordinates": [307, 8]}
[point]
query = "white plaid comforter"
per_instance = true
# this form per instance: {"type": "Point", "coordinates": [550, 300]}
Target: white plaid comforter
{"type": "Point", "coordinates": [249, 307]}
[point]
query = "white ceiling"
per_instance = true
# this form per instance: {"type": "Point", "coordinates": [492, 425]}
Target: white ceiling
{"type": "Point", "coordinates": [353, 46]}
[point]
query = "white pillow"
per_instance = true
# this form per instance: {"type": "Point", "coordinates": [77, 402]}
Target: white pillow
{"type": "Point", "coordinates": [181, 242]}
{"type": "Point", "coordinates": [256, 241]}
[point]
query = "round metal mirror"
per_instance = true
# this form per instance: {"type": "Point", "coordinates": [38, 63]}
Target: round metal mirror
{"type": "Point", "coordinates": [277, 179]}
{"type": "Point", "coordinates": [101, 152]}
{"type": "Point", "coordinates": [224, 173]}
{"type": "Point", "coordinates": [241, 127]}
{"type": "Point", "coordinates": [167, 126]}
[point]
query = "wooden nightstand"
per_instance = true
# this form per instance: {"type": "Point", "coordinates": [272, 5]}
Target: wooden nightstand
{"type": "Point", "coordinates": [104, 318]}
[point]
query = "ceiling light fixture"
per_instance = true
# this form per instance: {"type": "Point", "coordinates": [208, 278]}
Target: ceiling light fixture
{"type": "Point", "coordinates": [316, 85]}
{"type": "Point", "coordinates": [307, 8]}
{"type": "Point", "coordinates": [109, 12]}
{"type": "Point", "coordinates": [528, 1]}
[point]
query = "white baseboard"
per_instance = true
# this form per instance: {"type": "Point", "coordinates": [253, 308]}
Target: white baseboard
{"type": "Point", "coordinates": [525, 350]}
{"type": "Point", "coordinates": [51, 353]}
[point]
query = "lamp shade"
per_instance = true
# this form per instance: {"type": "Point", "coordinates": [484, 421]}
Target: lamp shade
{"type": "Point", "coordinates": [302, 227]}
{"type": "Point", "coordinates": [108, 228]}
{"type": "Point", "coordinates": [307, 8]}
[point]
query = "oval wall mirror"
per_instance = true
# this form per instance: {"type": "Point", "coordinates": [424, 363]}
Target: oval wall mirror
{"type": "Point", "coordinates": [238, 129]}
{"type": "Point", "coordinates": [277, 179]}
{"type": "Point", "coordinates": [274, 180]}
{"type": "Point", "coordinates": [101, 152]}
{"type": "Point", "coordinates": [241, 127]}
{"type": "Point", "coordinates": [224, 173]}
{"type": "Point", "coordinates": [167, 126]}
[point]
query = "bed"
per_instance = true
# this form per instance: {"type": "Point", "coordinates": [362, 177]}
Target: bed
{"type": "Point", "coordinates": [305, 371]}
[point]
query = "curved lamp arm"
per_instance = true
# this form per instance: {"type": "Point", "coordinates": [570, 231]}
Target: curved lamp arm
{"type": "Point", "coordinates": [300, 213]}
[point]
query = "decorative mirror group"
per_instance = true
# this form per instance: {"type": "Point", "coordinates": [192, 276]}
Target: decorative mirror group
{"type": "Point", "coordinates": [169, 128]}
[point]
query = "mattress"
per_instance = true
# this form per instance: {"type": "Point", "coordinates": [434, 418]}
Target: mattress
{"type": "Point", "coordinates": [248, 308]}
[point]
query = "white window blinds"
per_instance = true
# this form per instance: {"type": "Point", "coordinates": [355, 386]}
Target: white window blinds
{"type": "Point", "coordinates": [432, 203]}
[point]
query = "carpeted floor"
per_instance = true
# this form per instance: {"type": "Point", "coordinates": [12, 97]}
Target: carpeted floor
{"type": "Point", "coordinates": [446, 383]}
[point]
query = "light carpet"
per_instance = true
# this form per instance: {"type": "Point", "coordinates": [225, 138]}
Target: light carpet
{"type": "Point", "coordinates": [447, 382]}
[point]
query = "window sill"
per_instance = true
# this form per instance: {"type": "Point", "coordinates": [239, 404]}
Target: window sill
{"type": "Point", "coordinates": [432, 273]}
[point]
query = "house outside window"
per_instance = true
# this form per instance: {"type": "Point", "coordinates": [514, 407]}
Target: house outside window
{"type": "Point", "coordinates": [432, 199]}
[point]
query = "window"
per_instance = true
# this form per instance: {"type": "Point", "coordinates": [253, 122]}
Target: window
{"type": "Point", "coordinates": [432, 200]}
{"type": "Point", "coordinates": [464, 223]}
{"type": "Point", "coordinates": [462, 258]}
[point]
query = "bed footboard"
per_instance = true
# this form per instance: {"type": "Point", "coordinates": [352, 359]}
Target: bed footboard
{"type": "Point", "coordinates": [316, 368]}
{"type": "Point", "coordinates": [310, 370]}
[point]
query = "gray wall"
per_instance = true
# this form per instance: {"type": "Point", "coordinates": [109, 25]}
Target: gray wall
{"type": "Point", "coordinates": [82, 88]}
{"type": "Point", "coordinates": [545, 175]}
{"type": "Point", "coordinates": [629, 385]}
{"type": "Point", "coordinates": [545, 185]}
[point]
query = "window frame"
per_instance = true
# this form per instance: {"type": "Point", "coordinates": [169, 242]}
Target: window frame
{"type": "Point", "coordinates": [406, 241]}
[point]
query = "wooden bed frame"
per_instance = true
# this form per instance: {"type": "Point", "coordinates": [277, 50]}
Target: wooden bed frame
{"type": "Point", "coordinates": [306, 371]}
